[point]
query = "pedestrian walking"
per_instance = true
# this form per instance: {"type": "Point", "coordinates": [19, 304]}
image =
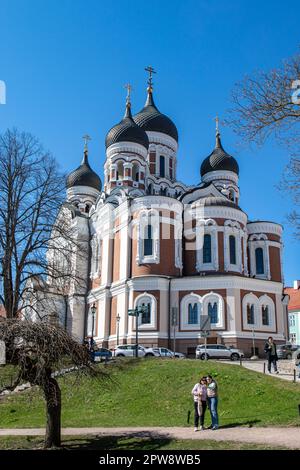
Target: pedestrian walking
{"type": "Point", "coordinates": [212, 401]}
{"type": "Point", "coordinates": [271, 351]}
{"type": "Point", "coordinates": [200, 403]}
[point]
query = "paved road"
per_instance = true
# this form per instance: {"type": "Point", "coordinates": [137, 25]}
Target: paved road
{"type": "Point", "coordinates": [274, 436]}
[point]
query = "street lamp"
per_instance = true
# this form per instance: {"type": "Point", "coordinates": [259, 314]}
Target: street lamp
{"type": "Point", "coordinates": [118, 325]}
{"type": "Point", "coordinates": [253, 357]}
{"type": "Point", "coordinates": [93, 312]}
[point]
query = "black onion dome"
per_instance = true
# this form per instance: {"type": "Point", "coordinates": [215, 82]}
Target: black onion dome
{"type": "Point", "coordinates": [127, 131]}
{"type": "Point", "coordinates": [219, 160]}
{"type": "Point", "coordinates": [84, 175]}
{"type": "Point", "coordinates": [151, 119]}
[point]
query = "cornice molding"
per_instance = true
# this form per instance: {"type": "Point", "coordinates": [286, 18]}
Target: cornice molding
{"type": "Point", "coordinates": [264, 227]}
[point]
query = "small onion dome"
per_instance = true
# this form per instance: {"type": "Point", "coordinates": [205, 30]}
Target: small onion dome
{"type": "Point", "coordinates": [219, 160]}
{"type": "Point", "coordinates": [127, 131]}
{"type": "Point", "coordinates": [151, 119]}
{"type": "Point", "coordinates": [84, 175]}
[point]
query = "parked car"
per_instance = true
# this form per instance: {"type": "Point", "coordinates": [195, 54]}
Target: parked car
{"type": "Point", "coordinates": [285, 351]}
{"type": "Point", "coordinates": [129, 350]}
{"type": "Point", "coordinates": [101, 354]}
{"type": "Point", "coordinates": [165, 352]}
{"type": "Point", "coordinates": [218, 351]}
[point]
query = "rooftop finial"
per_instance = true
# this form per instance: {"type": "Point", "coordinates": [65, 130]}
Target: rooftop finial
{"type": "Point", "coordinates": [217, 124]}
{"type": "Point", "coordinates": [150, 70]}
{"type": "Point", "coordinates": [129, 88]}
{"type": "Point", "coordinates": [128, 102]}
{"type": "Point", "coordinates": [218, 139]}
{"type": "Point", "coordinates": [86, 138]}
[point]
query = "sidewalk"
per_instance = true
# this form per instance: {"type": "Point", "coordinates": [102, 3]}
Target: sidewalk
{"type": "Point", "coordinates": [258, 366]}
{"type": "Point", "coordinates": [285, 436]}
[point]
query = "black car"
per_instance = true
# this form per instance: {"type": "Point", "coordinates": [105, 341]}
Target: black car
{"type": "Point", "coordinates": [285, 351]}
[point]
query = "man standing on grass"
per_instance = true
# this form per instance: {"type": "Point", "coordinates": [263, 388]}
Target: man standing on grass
{"type": "Point", "coordinates": [270, 350]}
{"type": "Point", "coordinates": [212, 401]}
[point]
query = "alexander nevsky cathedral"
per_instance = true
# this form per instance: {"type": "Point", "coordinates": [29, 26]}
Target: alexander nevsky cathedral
{"type": "Point", "coordinates": [183, 251]}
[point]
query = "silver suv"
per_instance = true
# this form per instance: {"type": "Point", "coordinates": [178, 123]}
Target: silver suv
{"type": "Point", "coordinates": [128, 350]}
{"type": "Point", "coordinates": [218, 351]}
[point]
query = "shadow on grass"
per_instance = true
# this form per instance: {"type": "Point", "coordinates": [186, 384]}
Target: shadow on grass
{"type": "Point", "coordinates": [133, 441]}
{"type": "Point", "coordinates": [249, 423]}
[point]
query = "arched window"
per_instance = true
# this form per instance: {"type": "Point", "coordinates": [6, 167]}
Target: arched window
{"type": "Point", "coordinates": [147, 319]}
{"type": "Point", "coordinates": [265, 315]}
{"type": "Point", "coordinates": [150, 189]}
{"type": "Point", "coordinates": [259, 261]}
{"type": "Point", "coordinates": [207, 248]}
{"type": "Point", "coordinates": [232, 249]}
{"type": "Point", "coordinates": [193, 314]}
{"type": "Point", "coordinates": [250, 314]}
{"type": "Point", "coordinates": [148, 241]}
{"type": "Point", "coordinates": [120, 171]}
{"type": "Point", "coordinates": [135, 172]}
{"type": "Point", "coordinates": [146, 314]}
{"type": "Point", "coordinates": [213, 312]}
{"type": "Point", "coordinates": [162, 164]}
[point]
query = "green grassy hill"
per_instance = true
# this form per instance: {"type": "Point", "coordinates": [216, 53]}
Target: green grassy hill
{"type": "Point", "coordinates": [157, 392]}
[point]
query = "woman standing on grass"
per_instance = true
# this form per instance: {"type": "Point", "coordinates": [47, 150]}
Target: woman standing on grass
{"type": "Point", "coordinates": [200, 396]}
{"type": "Point", "coordinates": [212, 398]}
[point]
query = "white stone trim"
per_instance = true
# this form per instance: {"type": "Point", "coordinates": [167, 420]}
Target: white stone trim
{"type": "Point", "coordinates": [96, 258]}
{"type": "Point", "coordinates": [258, 303]}
{"type": "Point", "coordinates": [214, 297]}
{"type": "Point", "coordinates": [207, 227]}
{"type": "Point", "coordinates": [264, 227]}
{"type": "Point", "coordinates": [187, 299]}
{"type": "Point", "coordinates": [248, 335]}
{"type": "Point", "coordinates": [144, 283]}
{"type": "Point", "coordinates": [220, 175]}
{"type": "Point", "coordinates": [259, 241]}
{"type": "Point", "coordinates": [127, 148]}
{"type": "Point", "coordinates": [226, 282]}
{"type": "Point", "coordinates": [145, 217]}
{"type": "Point", "coordinates": [146, 298]}
{"type": "Point", "coordinates": [202, 303]}
{"type": "Point", "coordinates": [159, 138]}
{"type": "Point", "coordinates": [233, 228]}
{"type": "Point", "coordinates": [83, 194]}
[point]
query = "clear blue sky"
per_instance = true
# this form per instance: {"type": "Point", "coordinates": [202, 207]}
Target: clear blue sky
{"type": "Point", "coordinates": [65, 64]}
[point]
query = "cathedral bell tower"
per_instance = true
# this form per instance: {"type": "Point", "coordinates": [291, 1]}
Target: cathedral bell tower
{"type": "Point", "coordinates": [126, 153]}
{"type": "Point", "coordinates": [83, 184]}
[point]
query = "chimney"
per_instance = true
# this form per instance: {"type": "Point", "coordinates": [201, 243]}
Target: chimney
{"type": "Point", "coordinates": [296, 285]}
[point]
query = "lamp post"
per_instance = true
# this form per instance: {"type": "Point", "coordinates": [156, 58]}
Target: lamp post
{"type": "Point", "coordinates": [118, 325]}
{"type": "Point", "coordinates": [253, 357]}
{"type": "Point", "coordinates": [93, 312]}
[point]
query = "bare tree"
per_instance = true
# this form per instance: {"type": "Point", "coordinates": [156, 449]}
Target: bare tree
{"type": "Point", "coordinates": [37, 240]}
{"type": "Point", "coordinates": [268, 104]}
{"type": "Point", "coordinates": [37, 349]}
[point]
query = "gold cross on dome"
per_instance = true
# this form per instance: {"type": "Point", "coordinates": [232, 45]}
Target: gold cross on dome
{"type": "Point", "coordinates": [150, 70]}
{"type": "Point", "coordinates": [129, 90]}
{"type": "Point", "coordinates": [217, 123]}
{"type": "Point", "coordinates": [86, 138]}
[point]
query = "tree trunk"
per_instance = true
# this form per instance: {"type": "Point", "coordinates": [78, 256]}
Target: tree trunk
{"type": "Point", "coordinates": [53, 404]}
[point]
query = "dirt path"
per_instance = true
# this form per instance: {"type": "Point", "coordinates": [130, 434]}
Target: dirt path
{"type": "Point", "coordinates": [275, 436]}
